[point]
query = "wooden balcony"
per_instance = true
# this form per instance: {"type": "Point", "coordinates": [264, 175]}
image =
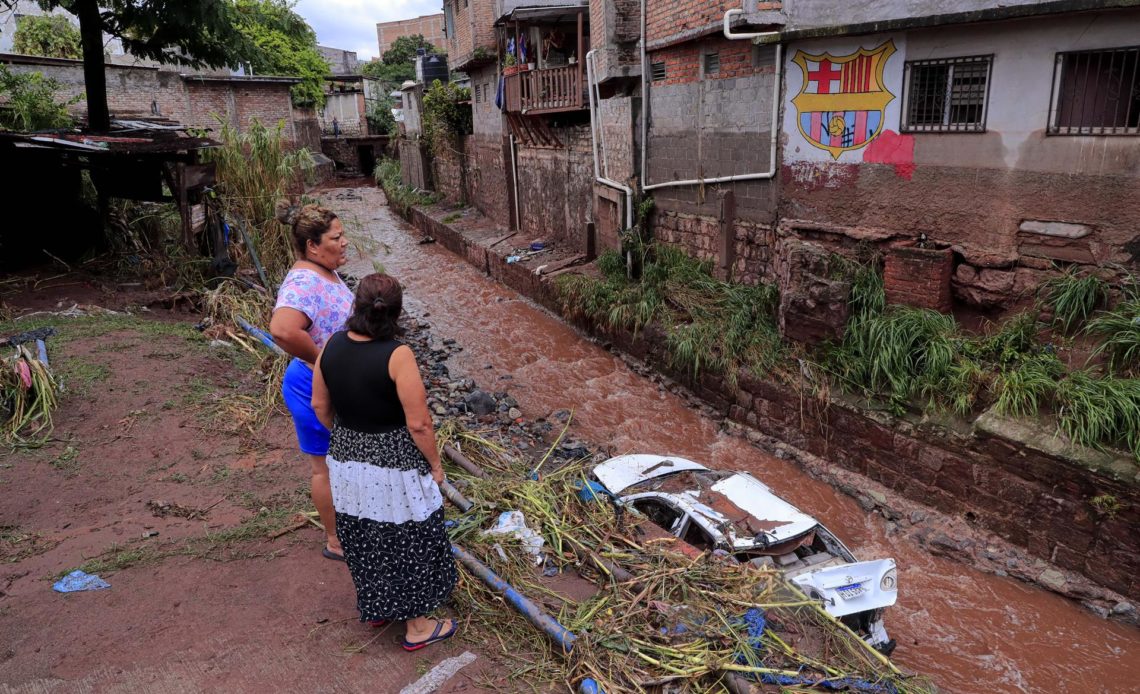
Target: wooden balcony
{"type": "Point", "coordinates": [549, 90]}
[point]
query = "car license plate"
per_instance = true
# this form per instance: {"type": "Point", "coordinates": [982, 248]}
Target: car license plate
{"type": "Point", "coordinates": [851, 591]}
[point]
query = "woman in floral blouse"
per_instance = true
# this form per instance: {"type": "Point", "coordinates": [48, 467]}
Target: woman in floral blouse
{"type": "Point", "coordinates": [312, 304]}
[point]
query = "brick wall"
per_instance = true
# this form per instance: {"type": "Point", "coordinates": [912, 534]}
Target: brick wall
{"type": "Point", "coordinates": [919, 277]}
{"type": "Point", "coordinates": [448, 173]}
{"type": "Point", "coordinates": [618, 130]}
{"type": "Point", "coordinates": [666, 21]}
{"type": "Point", "coordinates": [489, 177]}
{"type": "Point", "coordinates": [615, 28]}
{"type": "Point", "coordinates": [429, 26]}
{"type": "Point", "coordinates": [474, 28]}
{"type": "Point", "coordinates": [146, 92]}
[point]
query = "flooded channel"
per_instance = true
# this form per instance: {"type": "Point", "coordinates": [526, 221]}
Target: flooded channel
{"type": "Point", "coordinates": [969, 631]}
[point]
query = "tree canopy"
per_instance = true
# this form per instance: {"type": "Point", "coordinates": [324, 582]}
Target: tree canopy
{"type": "Point", "coordinates": [403, 50]}
{"type": "Point", "coordinates": [283, 44]}
{"type": "Point", "coordinates": [52, 36]}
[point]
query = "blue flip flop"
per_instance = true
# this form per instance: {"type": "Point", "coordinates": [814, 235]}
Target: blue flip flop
{"type": "Point", "coordinates": [435, 636]}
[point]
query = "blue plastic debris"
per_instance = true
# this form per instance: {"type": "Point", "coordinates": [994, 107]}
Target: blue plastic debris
{"type": "Point", "coordinates": [512, 259]}
{"type": "Point", "coordinates": [537, 246]}
{"type": "Point", "coordinates": [78, 580]}
{"type": "Point", "coordinates": [593, 491]}
{"type": "Point", "coordinates": [590, 686]}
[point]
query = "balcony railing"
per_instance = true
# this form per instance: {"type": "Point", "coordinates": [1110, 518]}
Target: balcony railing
{"type": "Point", "coordinates": [545, 91]}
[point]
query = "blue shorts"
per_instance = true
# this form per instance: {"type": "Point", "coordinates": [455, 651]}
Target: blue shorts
{"type": "Point", "coordinates": [297, 388]}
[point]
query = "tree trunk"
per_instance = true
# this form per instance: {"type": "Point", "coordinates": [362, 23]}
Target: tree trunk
{"type": "Point", "coordinates": [94, 71]}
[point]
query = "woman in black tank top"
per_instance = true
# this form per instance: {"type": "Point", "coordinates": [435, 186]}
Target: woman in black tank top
{"type": "Point", "coordinates": [384, 468]}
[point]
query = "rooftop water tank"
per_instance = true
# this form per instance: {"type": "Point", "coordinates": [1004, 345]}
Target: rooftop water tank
{"type": "Point", "coordinates": [430, 68]}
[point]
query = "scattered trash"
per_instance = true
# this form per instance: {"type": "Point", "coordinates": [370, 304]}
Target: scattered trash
{"type": "Point", "coordinates": [220, 343]}
{"type": "Point", "coordinates": [149, 533]}
{"type": "Point", "coordinates": [514, 524]}
{"type": "Point", "coordinates": [37, 335]}
{"type": "Point", "coordinates": [537, 245]}
{"type": "Point", "coordinates": [512, 259]}
{"type": "Point", "coordinates": [78, 580]}
{"type": "Point", "coordinates": [426, 240]}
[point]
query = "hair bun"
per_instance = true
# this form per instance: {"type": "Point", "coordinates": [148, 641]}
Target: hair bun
{"type": "Point", "coordinates": [379, 304]}
{"type": "Point", "coordinates": [287, 212]}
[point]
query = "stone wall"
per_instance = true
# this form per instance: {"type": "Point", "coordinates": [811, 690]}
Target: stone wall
{"type": "Point", "coordinates": [489, 179]}
{"type": "Point", "coordinates": [449, 172]}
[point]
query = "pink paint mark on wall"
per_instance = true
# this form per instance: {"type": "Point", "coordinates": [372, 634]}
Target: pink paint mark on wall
{"type": "Point", "coordinates": [892, 148]}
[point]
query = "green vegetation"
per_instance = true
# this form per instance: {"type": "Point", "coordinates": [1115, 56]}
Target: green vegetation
{"type": "Point", "coordinates": [403, 50]}
{"type": "Point", "coordinates": [401, 197]}
{"type": "Point", "coordinates": [1106, 505]}
{"type": "Point", "coordinates": [1118, 331]}
{"type": "Point", "coordinates": [285, 45]}
{"type": "Point", "coordinates": [51, 36]}
{"type": "Point", "coordinates": [446, 116]}
{"type": "Point", "coordinates": [255, 170]}
{"type": "Point", "coordinates": [1074, 296]}
{"type": "Point", "coordinates": [709, 324]}
{"type": "Point", "coordinates": [30, 102]}
{"type": "Point", "coordinates": [1100, 410]}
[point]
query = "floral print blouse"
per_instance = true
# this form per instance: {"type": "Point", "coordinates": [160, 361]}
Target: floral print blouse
{"type": "Point", "coordinates": [328, 304]}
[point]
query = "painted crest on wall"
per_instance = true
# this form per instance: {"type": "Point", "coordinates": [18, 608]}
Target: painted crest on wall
{"type": "Point", "coordinates": [842, 103]}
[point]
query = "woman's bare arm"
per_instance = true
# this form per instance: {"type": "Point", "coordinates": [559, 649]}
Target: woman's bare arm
{"type": "Point", "coordinates": [322, 403]}
{"type": "Point", "coordinates": [410, 388]}
{"type": "Point", "coordinates": [289, 328]}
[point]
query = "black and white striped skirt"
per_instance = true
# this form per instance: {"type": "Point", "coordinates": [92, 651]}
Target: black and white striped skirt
{"type": "Point", "coordinates": [389, 518]}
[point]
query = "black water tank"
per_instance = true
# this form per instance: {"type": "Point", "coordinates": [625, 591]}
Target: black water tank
{"type": "Point", "coordinates": [433, 67]}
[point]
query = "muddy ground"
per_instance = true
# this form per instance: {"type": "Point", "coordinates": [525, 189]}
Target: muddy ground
{"type": "Point", "coordinates": [148, 482]}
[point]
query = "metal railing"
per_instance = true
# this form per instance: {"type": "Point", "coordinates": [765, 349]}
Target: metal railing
{"type": "Point", "coordinates": [547, 90]}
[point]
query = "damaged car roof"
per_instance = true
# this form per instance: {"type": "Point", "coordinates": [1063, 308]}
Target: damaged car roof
{"type": "Point", "coordinates": [739, 504]}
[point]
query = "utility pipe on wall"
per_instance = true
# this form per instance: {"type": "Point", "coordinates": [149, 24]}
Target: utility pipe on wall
{"type": "Point", "coordinates": [515, 181]}
{"type": "Point", "coordinates": [762, 175]}
{"type": "Point", "coordinates": [595, 133]}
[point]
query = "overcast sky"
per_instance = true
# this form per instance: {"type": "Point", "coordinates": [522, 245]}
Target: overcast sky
{"type": "Point", "coordinates": [351, 24]}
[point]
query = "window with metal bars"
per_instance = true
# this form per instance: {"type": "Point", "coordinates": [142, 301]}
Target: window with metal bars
{"type": "Point", "coordinates": [1096, 93]}
{"type": "Point", "coordinates": [712, 63]}
{"type": "Point", "coordinates": [947, 95]}
{"type": "Point", "coordinates": [657, 71]}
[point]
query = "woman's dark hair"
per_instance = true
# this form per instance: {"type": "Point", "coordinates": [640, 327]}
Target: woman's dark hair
{"type": "Point", "coordinates": [376, 310]}
{"type": "Point", "coordinates": [309, 223]}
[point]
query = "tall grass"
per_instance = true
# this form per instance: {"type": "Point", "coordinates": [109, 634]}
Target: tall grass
{"type": "Point", "coordinates": [400, 196]}
{"type": "Point", "coordinates": [1074, 296]}
{"type": "Point", "coordinates": [1096, 411]}
{"type": "Point", "coordinates": [255, 170]}
{"type": "Point", "coordinates": [1118, 331]}
{"type": "Point", "coordinates": [710, 325]}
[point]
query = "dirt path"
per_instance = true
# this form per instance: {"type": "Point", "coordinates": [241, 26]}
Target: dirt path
{"type": "Point", "coordinates": [145, 477]}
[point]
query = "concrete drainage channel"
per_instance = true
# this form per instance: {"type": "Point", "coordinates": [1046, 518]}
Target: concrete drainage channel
{"type": "Point", "coordinates": [938, 533]}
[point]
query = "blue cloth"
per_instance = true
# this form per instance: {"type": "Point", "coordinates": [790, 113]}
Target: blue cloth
{"type": "Point", "coordinates": [297, 388]}
{"type": "Point", "coordinates": [78, 580]}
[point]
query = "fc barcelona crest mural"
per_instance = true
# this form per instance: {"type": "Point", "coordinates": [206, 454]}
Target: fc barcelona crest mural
{"type": "Point", "coordinates": [842, 103]}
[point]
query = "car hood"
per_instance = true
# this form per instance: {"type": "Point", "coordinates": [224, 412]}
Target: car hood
{"type": "Point", "coordinates": [624, 471]}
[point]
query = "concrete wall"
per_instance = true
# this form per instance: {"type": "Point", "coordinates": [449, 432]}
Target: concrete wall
{"type": "Point", "coordinates": [990, 196]}
{"type": "Point", "coordinates": [615, 28]}
{"type": "Point", "coordinates": [809, 14]}
{"type": "Point", "coordinates": [348, 110]}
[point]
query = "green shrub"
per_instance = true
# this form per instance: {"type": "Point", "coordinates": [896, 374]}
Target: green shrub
{"type": "Point", "coordinates": [31, 102]}
{"type": "Point", "coordinates": [1074, 296]}
{"type": "Point", "coordinates": [401, 197]}
{"type": "Point", "coordinates": [1096, 411]}
{"type": "Point", "coordinates": [1023, 388]}
{"type": "Point", "coordinates": [1119, 334]}
{"type": "Point", "coordinates": [49, 35]}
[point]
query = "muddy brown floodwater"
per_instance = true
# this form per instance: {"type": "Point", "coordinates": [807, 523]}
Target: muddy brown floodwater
{"type": "Point", "coordinates": [969, 631]}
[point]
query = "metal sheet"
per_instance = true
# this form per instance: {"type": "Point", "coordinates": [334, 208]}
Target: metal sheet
{"type": "Point", "coordinates": [780, 520]}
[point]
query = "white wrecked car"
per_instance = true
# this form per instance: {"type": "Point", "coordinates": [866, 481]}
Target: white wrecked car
{"type": "Point", "coordinates": [735, 512]}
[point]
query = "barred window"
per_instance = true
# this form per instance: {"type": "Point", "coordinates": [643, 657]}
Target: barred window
{"type": "Point", "coordinates": [1096, 93]}
{"type": "Point", "coordinates": [948, 95]}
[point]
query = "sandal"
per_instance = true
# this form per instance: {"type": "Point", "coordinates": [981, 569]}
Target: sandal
{"type": "Point", "coordinates": [329, 554]}
{"type": "Point", "coordinates": [435, 636]}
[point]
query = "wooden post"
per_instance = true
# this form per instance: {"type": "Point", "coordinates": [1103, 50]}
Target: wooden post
{"type": "Point", "coordinates": [726, 243]}
{"type": "Point", "coordinates": [591, 241]}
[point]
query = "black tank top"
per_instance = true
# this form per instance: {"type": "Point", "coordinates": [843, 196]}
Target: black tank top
{"type": "Point", "coordinates": [362, 393]}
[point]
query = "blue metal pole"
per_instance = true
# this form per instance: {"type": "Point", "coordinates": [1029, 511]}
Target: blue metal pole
{"type": "Point", "coordinates": [557, 633]}
{"type": "Point", "coordinates": [261, 335]}
{"type": "Point", "coordinates": [41, 350]}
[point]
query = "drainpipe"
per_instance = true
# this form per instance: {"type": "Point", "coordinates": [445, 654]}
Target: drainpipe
{"type": "Point", "coordinates": [762, 175]}
{"type": "Point", "coordinates": [515, 181]}
{"type": "Point", "coordinates": [596, 134]}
